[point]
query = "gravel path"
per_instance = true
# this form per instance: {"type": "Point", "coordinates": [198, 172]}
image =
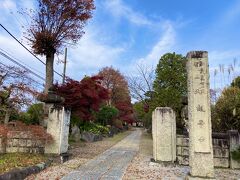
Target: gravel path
{"type": "Point", "coordinates": [82, 152]}
{"type": "Point", "coordinates": [141, 168]}
{"type": "Point", "coordinates": [112, 163]}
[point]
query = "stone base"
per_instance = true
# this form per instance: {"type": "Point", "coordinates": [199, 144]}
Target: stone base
{"type": "Point", "coordinates": [189, 177]}
{"type": "Point", "coordinates": [164, 163]}
{"type": "Point", "coordinates": [234, 164]}
{"type": "Point", "coordinates": [64, 157]}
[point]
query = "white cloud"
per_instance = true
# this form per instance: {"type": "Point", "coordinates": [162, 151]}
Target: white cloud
{"type": "Point", "coordinates": [17, 51]}
{"type": "Point", "coordinates": [223, 57]}
{"type": "Point", "coordinates": [93, 52]}
{"type": "Point", "coordinates": [165, 44]}
{"type": "Point", "coordinates": [226, 60]}
{"type": "Point", "coordinates": [8, 4]}
{"type": "Point", "coordinates": [90, 55]}
{"type": "Point", "coordinates": [118, 9]}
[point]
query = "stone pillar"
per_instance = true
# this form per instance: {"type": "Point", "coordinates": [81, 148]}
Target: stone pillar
{"type": "Point", "coordinates": [3, 144]}
{"type": "Point", "coordinates": [58, 127]}
{"type": "Point", "coordinates": [199, 115]}
{"type": "Point", "coordinates": [164, 134]}
{"type": "Point", "coordinates": [154, 134]}
{"type": "Point", "coordinates": [234, 143]}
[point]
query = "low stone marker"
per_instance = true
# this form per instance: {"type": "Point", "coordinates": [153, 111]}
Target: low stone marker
{"type": "Point", "coordinates": [75, 134]}
{"type": "Point", "coordinates": [199, 115]}
{"type": "Point", "coordinates": [58, 127]}
{"type": "Point", "coordinates": [91, 137]}
{"type": "Point", "coordinates": [164, 134]}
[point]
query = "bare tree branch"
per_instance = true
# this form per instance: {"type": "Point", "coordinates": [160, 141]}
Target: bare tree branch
{"type": "Point", "coordinates": [141, 85]}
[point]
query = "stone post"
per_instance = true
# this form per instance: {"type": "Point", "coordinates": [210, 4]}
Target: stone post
{"type": "Point", "coordinates": [57, 121]}
{"type": "Point", "coordinates": [199, 115]}
{"type": "Point", "coordinates": [58, 127]}
{"type": "Point", "coordinates": [164, 134]}
{"type": "Point", "coordinates": [234, 143]}
{"type": "Point", "coordinates": [2, 145]}
{"type": "Point", "coordinates": [154, 134]}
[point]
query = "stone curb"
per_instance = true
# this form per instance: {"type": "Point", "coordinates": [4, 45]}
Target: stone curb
{"type": "Point", "coordinates": [18, 174]}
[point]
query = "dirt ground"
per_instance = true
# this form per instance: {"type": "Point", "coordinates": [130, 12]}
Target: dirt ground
{"type": "Point", "coordinates": [142, 168]}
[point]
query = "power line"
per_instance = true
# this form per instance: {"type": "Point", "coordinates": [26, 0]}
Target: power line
{"type": "Point", "coordinates": [11, 59]}
{"type": "Point", "coordinates": [21, 62]}
{"type": "Point", "coordinates": [27, 48]}
{"type": "Point", "coordinates": [16, 71]}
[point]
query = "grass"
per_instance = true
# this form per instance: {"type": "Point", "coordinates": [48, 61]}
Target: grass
{"type": "Point", "coordinates": [79, 143]}
{"type": "Point", "coordinates": [11, 161]}
{"type": "Point", "coordinates": [118, 137]}
{"type": "Point", "coordinates": [146, 146]}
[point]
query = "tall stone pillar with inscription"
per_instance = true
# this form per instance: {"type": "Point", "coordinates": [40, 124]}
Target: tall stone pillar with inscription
{"type": "Point", "coordinates": [199, 115]}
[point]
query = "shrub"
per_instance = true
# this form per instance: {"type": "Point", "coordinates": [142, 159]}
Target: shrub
{"type": "Point", "coordinates": [236, 154]}
{"type": "Point", "coordinates": [227, 110]}
{"type": "Point", "coordinates": [36, 113]}
{"type": "Point", "coordinates": [94, 128]}
{"type": "Point", "coordinates": [118, 124]}
{"type": "Point", "coordinates": [25, 118]}
{"type": "Point", "coordinates": [75, 120]}
{"type": "Point", "coordinates": [106, 115]}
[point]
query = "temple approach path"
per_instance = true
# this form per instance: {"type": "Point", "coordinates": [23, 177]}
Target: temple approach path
{"type": "Point", "coordinates": [112, 163]}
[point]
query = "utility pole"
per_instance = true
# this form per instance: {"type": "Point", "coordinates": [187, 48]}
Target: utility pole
{"type": "Point", "coordinates": [64, 65]}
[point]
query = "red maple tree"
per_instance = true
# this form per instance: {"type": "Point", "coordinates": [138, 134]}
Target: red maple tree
{"type": "Point", "coordinates": [83, 97]}
{"type": "Point", "coordinates": [116, 83]}
{"type": "Point", "coordinates": [125, 111]}
{"type": "Point", "coordinates": [17, 89]}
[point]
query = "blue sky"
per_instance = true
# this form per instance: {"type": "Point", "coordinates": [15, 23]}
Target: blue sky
{"type": "Point", "coordinates": [123, 33]}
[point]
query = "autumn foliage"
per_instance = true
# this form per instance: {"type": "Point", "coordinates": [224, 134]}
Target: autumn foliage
{"type": "Point", "coordinates": [83, 97]}
{"type": "Point", "coordinates": [17, 89]}
{"type": "Point", "coordinates": [126, 111]}
{"type": "Point", "coordinates": [116, 83]}
{"type": "Point", "coordinates": [56, 22]}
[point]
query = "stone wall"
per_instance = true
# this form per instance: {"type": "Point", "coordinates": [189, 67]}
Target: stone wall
{"type": "Point", "coordinates": [21, 141]}
{"type": "Point", "coordinates": [221, 149]}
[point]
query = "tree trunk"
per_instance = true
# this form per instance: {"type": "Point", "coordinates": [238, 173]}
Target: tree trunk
{"type": "Point", "coordinates": [49, 72]}
{"type": "Point", "coordinates": [7, 116]}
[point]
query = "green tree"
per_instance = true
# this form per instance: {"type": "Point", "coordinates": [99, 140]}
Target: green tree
{"type": "Point", "coordinates": [138, 108]}
{"type": "Point", "coordinates": [142, 115]}
{"type": "Point", "coordinates": [170, 84]}
{"type": "Point", "coordinates": [227, 110]}
{"type": "Point", "coordinates": [36, 113]}
{"type": "Point", "coordinates": [236, 82]}
{"type": "Point", "coordinates": [106, 115]}
{"type": "Point", "coordinates": [33, 115]}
